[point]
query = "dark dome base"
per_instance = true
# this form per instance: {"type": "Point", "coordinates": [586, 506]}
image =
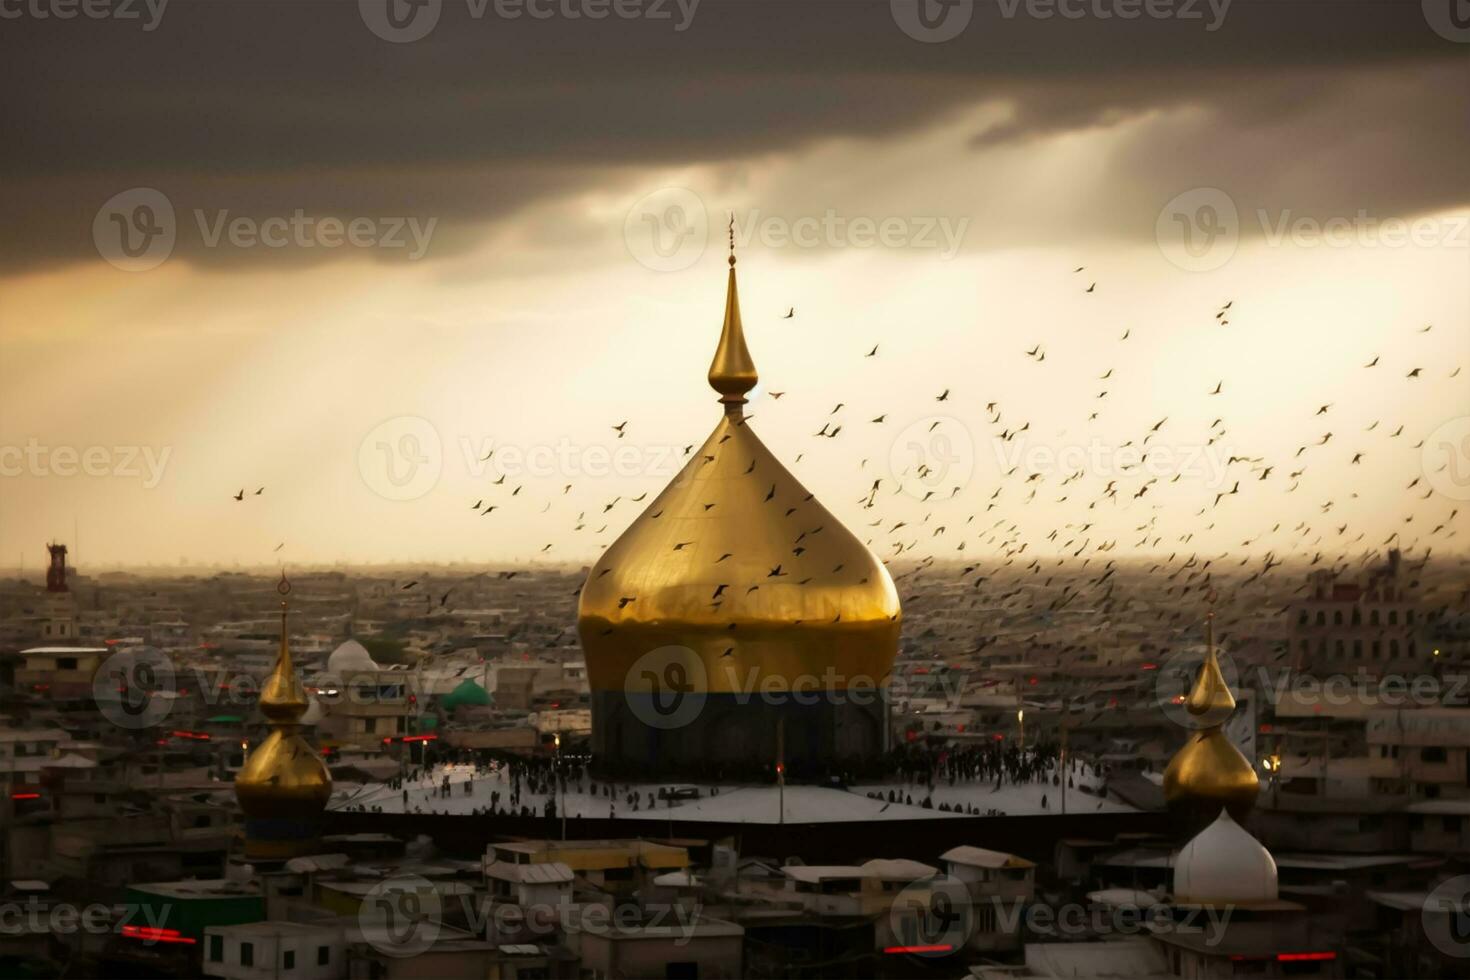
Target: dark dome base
{"type": "Point", "coordinates": [738, 738]}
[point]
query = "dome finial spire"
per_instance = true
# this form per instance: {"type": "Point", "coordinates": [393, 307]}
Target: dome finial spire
{"type": "Point", "coordinates": [282, 699]}
{"type": "Point", "coordinates": [732, 372]}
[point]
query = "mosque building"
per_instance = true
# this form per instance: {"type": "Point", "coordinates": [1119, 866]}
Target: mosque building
{"type": "Point", "coordinates": [284, 785]}
{"type": "Point", "coordinates": [736, 627]}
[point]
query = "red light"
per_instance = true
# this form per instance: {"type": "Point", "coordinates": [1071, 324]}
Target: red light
{"type": "Point", "coordinates": [1301, 957]}
{"type": "Point", "coordinates": [25, 796]}
{"type": "Point", "coordinates": [420, 738]}
{"type": "Point", "coordinates": [1031, 681]}
{"type": "Point", "coordinates": [153, 934]}
{"type": "Point", "coordinates": [1148, 666]}
{"type": "Point", "coordinates": [932, 948]}
{"type": "Point", "coordinates": [196, 736]}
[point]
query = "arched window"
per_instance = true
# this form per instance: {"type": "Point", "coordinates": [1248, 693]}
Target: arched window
{"type": "Point", "coordinates": [1373, 618]}
{"type": "Point", "coordinates": [1357, 616]}
{"type": "Point", "coordinates": [1321, 618]}
{"type": "Point", "coordinates": [1337, 618]}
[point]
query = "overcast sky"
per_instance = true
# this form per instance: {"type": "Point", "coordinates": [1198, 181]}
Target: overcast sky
{"type": "Point", "coordinates": [342, 255]}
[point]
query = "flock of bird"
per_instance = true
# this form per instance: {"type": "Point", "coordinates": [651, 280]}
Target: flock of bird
{"type": "Point", "coordinates": [919, 526]}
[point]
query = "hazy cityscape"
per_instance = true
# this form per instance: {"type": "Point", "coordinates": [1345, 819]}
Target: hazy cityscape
{"type": "Point", "coordinates": [706, 490]}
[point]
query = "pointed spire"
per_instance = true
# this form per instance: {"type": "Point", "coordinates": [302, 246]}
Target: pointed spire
{"type": "Point", "coordinates": [282, 698]}
{"type": "Point", "coordinates": [1210, 699]}
{"type": "Point", "coordinates": [732, 372]}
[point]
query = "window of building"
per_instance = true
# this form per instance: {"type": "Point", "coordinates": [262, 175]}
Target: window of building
{"type": "Point", "coordinates": [288, 960]}
{"type": "Point", "coordinates": [66, 663]}
{"type": "Point", "coordinates": [247, 954]}
{"type": "Point", "coordinates": [1337, 618]}
{"type": "Point", "coordinates": [1432, 753]}
{"type": "Point", "coordinates": [323, 956]}
{"type": "Point", "coordinates": [1393, 617]}
{"type": "Point", "coordinates": [216, 948]}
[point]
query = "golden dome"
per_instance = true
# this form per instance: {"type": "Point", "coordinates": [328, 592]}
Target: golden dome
{"type": "Point", "coordinates": [736, 561]}
{"type": "Point", "coordinates": [1210, 772]}
{"type": "Point", "coordinates": [283, 779]}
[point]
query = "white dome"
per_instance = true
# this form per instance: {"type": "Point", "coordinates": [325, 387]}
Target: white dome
{"type": "Point", "coordinates": [349, 658]}
{"type": "Point", "coordinates": [1224, 864]}
{"type": "Point", "coordinates": [313, 713]}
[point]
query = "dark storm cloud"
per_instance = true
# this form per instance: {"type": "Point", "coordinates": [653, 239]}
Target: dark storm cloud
{"type": "Point", "coordinates": [265, 107]}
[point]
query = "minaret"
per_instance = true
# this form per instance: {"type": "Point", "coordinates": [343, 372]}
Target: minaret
{"type": "Point", "coordinates": [284, 785]}
{"type": "Point", "coordinates": [56, 574]}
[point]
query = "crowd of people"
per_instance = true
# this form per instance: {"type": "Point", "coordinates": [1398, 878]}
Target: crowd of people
{"type": "Point", "coordinates": [519, 781]}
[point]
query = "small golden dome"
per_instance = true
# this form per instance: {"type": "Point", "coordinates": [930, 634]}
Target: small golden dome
{"type": "Point", "coordinates": [283, 779]}
{"type": "Point", "coordinates": [1210, 773]}
{"type": "Point", "coordinates": [738, 562]}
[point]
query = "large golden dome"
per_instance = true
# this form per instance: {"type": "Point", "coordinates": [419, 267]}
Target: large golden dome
{"type": "Point", "coordinates": [736, 629]}
{"type": "Point", "coordinates": [739, 563]}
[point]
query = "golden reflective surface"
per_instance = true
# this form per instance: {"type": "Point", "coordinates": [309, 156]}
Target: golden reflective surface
{"type": "Point", "coordinates": [732, 372]}
{"type": "Point", "coordinates": [1209, 769]}
{"type": "Point", "coordinates": [738, 562]}
{"type": "Point", "coordinates": [282, 698]}
{"type": "Point", "coordinates": [283, 778]}
{"type": "Point", "coordinates": [1210, 700]}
